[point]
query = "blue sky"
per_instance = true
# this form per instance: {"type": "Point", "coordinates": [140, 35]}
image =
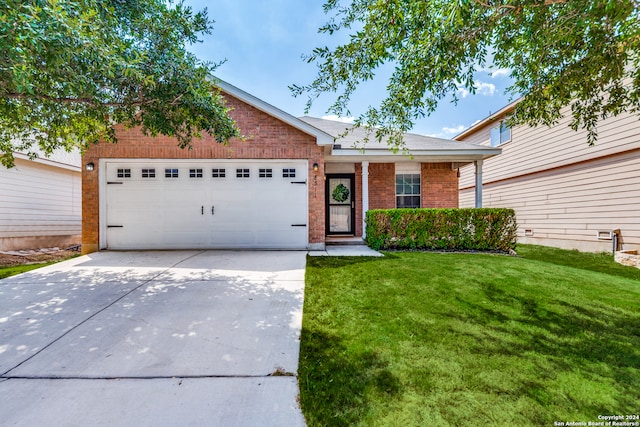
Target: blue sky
{"type": "Point", "coordinates": [263, 43]}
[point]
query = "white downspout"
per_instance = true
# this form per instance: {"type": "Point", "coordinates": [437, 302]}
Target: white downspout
{"type": "Point", "coordinates": [365, 196]}
{"type": "Point", "coordinates": [478, 164]}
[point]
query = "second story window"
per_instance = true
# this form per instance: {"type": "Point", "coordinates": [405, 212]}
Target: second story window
{"type": "Point", "coordinates": [500, 134]}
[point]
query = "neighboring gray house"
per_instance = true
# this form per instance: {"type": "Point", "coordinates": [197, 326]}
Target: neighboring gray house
{"type": "Point", "coordinates": [565, 193]}
{"type": "Point", "coordinates": [40, 203]}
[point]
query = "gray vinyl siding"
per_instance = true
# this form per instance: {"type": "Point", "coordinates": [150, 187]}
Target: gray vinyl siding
{"type": "Point", "coordinates": [564, 191]}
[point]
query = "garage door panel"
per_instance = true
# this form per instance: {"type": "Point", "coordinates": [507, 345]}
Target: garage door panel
{"type": "Point", "coordinates": [282, 239]}
{"type": "Point", "coordinates": [233, 239]}
{"type": "Point", "coordinates": [179, 239]}
{"type": "Point", "coordinates": [232, 216]}
{"type": "Point", "coordinates": [207, 212]}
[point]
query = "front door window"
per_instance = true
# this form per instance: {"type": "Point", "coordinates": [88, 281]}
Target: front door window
{"type": "Point", "coordinates": [340, 204]}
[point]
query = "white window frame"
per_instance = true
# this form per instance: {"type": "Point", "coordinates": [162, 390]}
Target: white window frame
{"type": "Point", "coordinates": [148, 173]}
{"type": "Point", "coordinates": [123, 173]}
{"type": "Point", "coordinates": [171, 172]}
{"type": "Point", "coordinates": [243, 173]}
{"type": "Point", "coordinates": [500, 134]}
{"type": "Point", "coordinates": [219, 173]}
{"type": "Point", "coordinates": [265, 173]}
{"type": "Point", "coordinates": [419, 194]}
{"type": "Point", "coordinates": [196, 173]}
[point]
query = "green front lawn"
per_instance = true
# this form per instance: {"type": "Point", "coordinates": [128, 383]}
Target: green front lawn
{"type": "Point", "coordinates": [416, 339]}
{"type": "Point", "coordinates": [17, 269]}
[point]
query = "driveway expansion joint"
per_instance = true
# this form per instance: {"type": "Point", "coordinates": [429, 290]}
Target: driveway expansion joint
{"type": "Point", "coordinates": [150, 377]}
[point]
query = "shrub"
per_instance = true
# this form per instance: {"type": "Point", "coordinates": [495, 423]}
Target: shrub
{"type": "Point", "coordinates": [485, 229]}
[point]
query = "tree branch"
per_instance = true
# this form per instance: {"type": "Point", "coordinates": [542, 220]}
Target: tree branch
{"type": "Point", "coordinates": [512, 7]}
{"type": "Point", "coordinates": [87, 101]}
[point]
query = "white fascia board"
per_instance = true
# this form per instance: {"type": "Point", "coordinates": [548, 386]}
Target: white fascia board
{"type": "Point", "coordinates": [488, 120]}
{"type": "Point", "coordinates": [322, 138]}
{"type": "Point", "coordinates": [48, 162]}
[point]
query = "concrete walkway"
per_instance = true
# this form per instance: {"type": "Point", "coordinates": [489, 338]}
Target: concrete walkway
{"type": "Point", "coordinates": [346, 250]}
{"type": "Point", "coordinates": [184, 338]}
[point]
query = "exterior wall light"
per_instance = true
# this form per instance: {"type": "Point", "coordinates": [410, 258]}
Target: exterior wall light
{"type": "Point", "coordinates": [89, 166]}
{"type": "Point", "coordinates": [315, 167]}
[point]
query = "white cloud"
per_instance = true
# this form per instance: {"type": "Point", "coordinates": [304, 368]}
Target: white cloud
{"type": "Point", "coordinates": [462, 92]}
{"type": "Point", "coordinates": [492, 71]}
{"type": "Point", "coordinates": [486, 89]}
{"type": "Point", "coordinates": [500, 72]}
{"type": "Point", "coordinates": [448, 132]}
{"type": "Point", "coordinates": [482, 88]}
{"type": "Point", "coordinates": [339, 119]}
{"type": "Point", "coordinates": [453, 131]}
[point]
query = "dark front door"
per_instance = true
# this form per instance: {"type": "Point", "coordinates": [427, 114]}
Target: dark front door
{"type": "Point", "coordinates": [340, 204]}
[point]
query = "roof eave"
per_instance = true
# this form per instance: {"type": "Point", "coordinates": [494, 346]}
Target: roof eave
{"type": "Point", "coordinates": [322, 138]}
{"type": "Point", "coordinates": [489, 119]}
{"type": "Point", "coordinates": [49, 162]}
{"type": "Point", "coordinates": [415, 155]}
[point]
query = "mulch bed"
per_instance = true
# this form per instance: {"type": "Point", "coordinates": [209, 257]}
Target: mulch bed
{"type": "Point", "coordinates": [37, 256]}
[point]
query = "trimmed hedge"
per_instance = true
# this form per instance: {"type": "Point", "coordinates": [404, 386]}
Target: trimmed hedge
{"type": "Point", "coordinates": [484, 229]}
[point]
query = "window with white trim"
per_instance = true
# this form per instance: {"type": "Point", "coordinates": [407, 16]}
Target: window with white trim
{"type": "Point", "coordinates": [265, 173]}
{"type": "Point", "coordinates": [408, 190]}
{"type": "Point", "coordinates": [500, 134]}
{"type": "Point", "coordinates": [218, 173]}
{"type": "Point", "coordinates": [149, 173]}
{"type": "Point", "coordinates": [195, 173]}
{"type": "Point", "coordinates": [124, 173]}
{"type": "Point", "coordinates": [242, 173]}
{"type": "Point", "coordinates": [289, 173]}
{"type": "Point", "coordinates": [171, 173]}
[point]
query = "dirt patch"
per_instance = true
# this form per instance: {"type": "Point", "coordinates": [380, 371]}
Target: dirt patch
{"type": "Point", "coordinates": [36, 256]}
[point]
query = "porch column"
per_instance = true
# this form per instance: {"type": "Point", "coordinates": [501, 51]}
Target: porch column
{"type": "Point", "coordinates": [478, 164]}
{"type": "Point", "coordinates": [365, 195]}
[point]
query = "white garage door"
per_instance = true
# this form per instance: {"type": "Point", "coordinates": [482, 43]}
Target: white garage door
{"type": "Point", "coordinates": [214, 204]}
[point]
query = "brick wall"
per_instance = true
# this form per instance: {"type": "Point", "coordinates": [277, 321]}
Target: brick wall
{"type": "Point", "coordinates": [382, 185]}
{"type": "Point", "coordinates": [439, 186]}
{"type": "Point", "coordinates": [90, 206]}
{"type": "Point", "coordinates": [266, 138]}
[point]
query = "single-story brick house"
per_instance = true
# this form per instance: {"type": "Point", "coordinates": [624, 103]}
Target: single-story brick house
{"type": "Point", "coordinates": [289, 185]}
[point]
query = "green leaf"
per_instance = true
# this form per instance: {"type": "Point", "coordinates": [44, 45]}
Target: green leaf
{"type": "Point", "coordinates": [561, 53]}
{"type": "Point", "coordinates": [69, 68]}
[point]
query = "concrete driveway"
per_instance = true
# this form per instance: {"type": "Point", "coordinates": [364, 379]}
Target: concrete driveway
{"type": "Point", "coordinates": [184, 338]}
